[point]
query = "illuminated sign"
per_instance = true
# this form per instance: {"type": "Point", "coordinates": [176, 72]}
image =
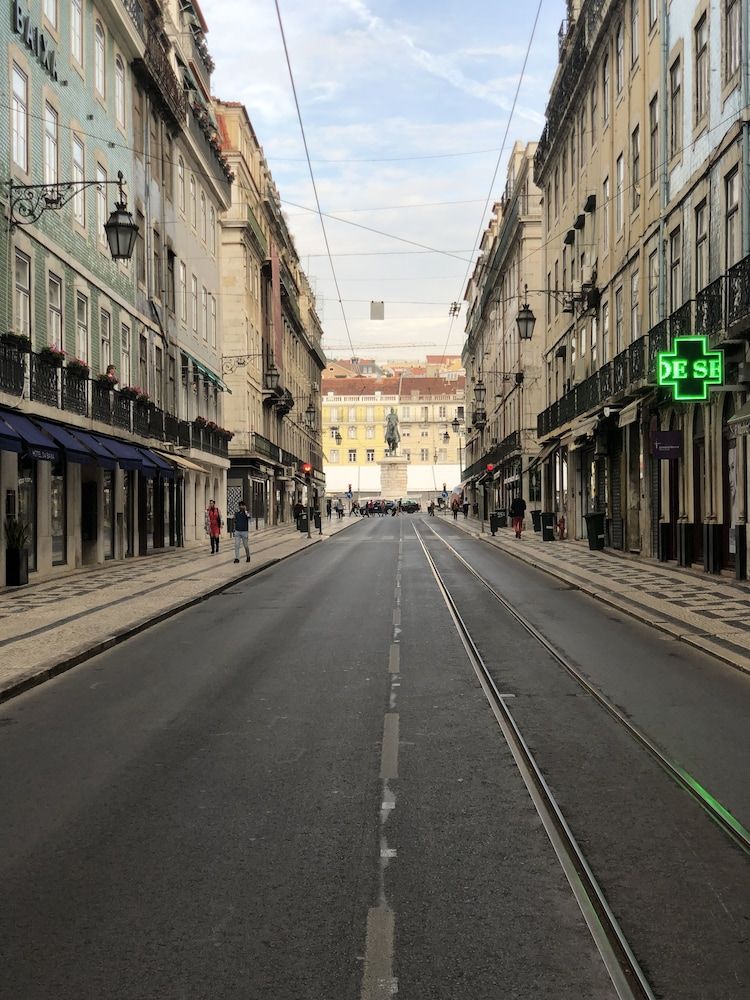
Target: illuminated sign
{"type": "Point", "coordinates": [690, 368]}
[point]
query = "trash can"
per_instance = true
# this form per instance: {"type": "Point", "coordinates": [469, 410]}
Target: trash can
{"type": "Point", "coordinates": [494, 519]}
{"type": "Point", "coordinates": [302, 522]}
{"type": "Point", "coordinates": [595, 530]}
{"type": "Point", "coordinates": [502, 517]}
{"type": "Point", "coordinates": [536, 519]}
{"type": "Point", "coordinates": [548, 526]}
{"type": "Point", "coordinates": [317, 519]}
{"type": "Point", "coordinates": [230, 525]}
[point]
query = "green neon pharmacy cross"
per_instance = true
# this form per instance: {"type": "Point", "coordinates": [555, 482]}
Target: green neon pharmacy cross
{"type": "Point", "coordinates": [690, 368]}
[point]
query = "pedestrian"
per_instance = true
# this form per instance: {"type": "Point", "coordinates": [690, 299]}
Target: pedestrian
{"type": "Point", "coordinates": [455, 505]}
{"type": "Point", "coordinates": [329, 508]}
{"type": "Point", "coordinates": [466, 507]}
{"type": "Point", "coordinates": [400, 507]}
{"type": "Point", "coordinates": [431, 508]}
{"type": "Point", "coordinates": [354, 512]}
{"type": "Point", "coordinates": [517, 512]}
{"type": "Point", "coordinates": [339, 508]}
{"type": "Point", "coordinates": [241, 528]}
{"type": "Point", "coordinates": [213, 525]}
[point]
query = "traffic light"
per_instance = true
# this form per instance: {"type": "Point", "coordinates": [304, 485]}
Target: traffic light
{"type": "Point", "coordinates": [307, 469]}
{"type": "Point", "coordinates": [490, 467]}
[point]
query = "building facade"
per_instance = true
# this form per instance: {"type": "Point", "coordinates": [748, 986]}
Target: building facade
{"type": "Point", "coordinates": [643, 165]}
{"type": "Point", "coordinates": [101, 466]}
{"type": "Point", "coordinates": [273, 357]}
{"type": "Point", "coordinates": [505, 389]}
{"type": "Point", "coordinates": [355, 410]}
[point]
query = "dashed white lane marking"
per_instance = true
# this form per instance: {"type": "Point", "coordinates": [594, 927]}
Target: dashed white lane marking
{"type": "Point", "coordinates": [378, 982]}
{"type": "Point", "coordinates": [397, 616]}
{"type": "Point", "coordinates": [389, 756]}
{"type": "Point", "coordinates": [394, 659]}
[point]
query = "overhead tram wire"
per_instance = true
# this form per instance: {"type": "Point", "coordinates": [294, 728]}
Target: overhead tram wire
{"type": "Point", "coordinates": [482, 221]}
{"type": "Point", "coordinates": [312, 177]}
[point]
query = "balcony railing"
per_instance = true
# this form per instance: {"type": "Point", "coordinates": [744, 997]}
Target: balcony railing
{"type": "Point", "coordinates": [637, 360]}
{"type": "Point", "coordinates": [135, 10]}
{"type": "Point", "coordinates": [165, 84]}
{"type": "Point", "coordinates": [709, 308]}
{"type": "Point", "coordinates": [56, 387]}
{"type": "Point", "coordinates": [681, 320]}
{"type": "Point", "coordinates": [738, 291]}
{"type": "Point", "coordinates": [658, 340]}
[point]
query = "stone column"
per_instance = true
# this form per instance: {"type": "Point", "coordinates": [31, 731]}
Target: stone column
{"type": "Point", "coordinates": [393, 477]}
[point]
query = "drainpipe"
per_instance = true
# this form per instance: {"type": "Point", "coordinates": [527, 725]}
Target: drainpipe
{"type": "Point", "coordinates": [664, 153]}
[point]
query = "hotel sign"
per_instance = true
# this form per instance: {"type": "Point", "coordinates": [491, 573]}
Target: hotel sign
{"type": "Point", "coordinates": [690, 368]}
{"type": "Point", "coordinates": [34, 39]}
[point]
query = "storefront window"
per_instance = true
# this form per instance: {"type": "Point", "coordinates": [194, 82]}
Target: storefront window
{"type": "Point", "coordinates": [27, 502]}
{"type": "Point", "coordinates": [150, 513]}
{"type": "Point", "coordinates": [108, 520]}
{"type": "Point", "coordinates": [58, 514]}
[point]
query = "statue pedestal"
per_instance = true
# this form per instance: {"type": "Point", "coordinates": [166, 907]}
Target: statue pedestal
{"type": "Point", "coordinates": [393, 477]}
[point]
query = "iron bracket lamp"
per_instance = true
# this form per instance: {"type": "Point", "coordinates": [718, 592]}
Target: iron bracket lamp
{"type": "Point", "coordinates": [28, 202]}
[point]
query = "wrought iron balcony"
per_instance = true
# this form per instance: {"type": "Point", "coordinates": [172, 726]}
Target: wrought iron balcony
{"type": "Point", "coordinates": [738, 292]}
{"type": "Point", "coordinates": [135, 10]}
{"type": "Point", "coordinates": [12, 370]}
{"type": "Point", "coordinates": [709, 308]}
{"type": "Point", "coordinates": [156, 69]}
{"type": "Point", "coordinates": [620, 367]}
{"type": "Point", "coordinates": [681, 320]}
{"type": "Point", "coordinates": [606, 382]}
{"type": "Point", "coordinates": [44, 382]}
{"type": "Point", "coordinates": [637, 360]}
{"type": "Point", "coordinates": [658, 340]}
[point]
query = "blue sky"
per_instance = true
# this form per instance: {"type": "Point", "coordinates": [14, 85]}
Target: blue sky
{"type": "Point", "coordinates": [392, 92]}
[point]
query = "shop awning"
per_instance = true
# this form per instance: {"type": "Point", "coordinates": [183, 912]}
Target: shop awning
{"type": "Point", "coordinates": [36, 443]}
{"type": "Point", "coordinates": [9, 439]}
{"type": "Point", "coordinates": [211, 376]}
{"type": "Point", "coordinates": [128, 457]}
{"type": "Point", "coordinates": [584, 428]}
{"type": "Point", "coordinates": [543, 455]}
{"type": "Point", "coordinates": [740, 422]}
{"type": "Point", "coordinates": [163, 467]}
{"type": "Point", "coordinates": [104, 458]}
{"type": "Point", "coordinates": [629, 414]}
{"type": "Point", "coordinates": [75, 450]}
{"type": "Point", "coordinates": [180, 461]}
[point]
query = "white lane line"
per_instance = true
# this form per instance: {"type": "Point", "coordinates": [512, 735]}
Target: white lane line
{"type": "Point", "coordinates": [378, 982]}
{"type": "Point", "coordinates": [394, 659]}
{"type": "Point", "coordinates": [389, 755]}
{"type": "Point", "coordinates": [397, 616]}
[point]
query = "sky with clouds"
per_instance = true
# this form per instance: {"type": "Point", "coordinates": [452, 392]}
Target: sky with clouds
{"type": "Point", "coordinates": [404, 106]}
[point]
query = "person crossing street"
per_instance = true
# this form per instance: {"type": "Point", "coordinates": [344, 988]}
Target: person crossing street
{"type": "Point", "coordinates": [241, 529]}
{"type": "Point", "coordinates": [517, 512]}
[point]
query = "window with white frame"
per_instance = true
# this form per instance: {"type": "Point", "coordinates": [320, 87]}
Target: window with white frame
{"type": "Point", "coordinates": [101, 203]}
{"type": "Point", "coordinates": [183, 292]}
{"type": "Point", "coordinates": [203, 217]}
{"type": "Point", "coordinates": [76, 30]}
{"type": "Point", "coordinates": [441, 412]}
{"type": "Point", "coordinates": [619, 58]}
{"type": "Point", "coordinates": [353, 455]}
{"type": "Point", "coordinates": [50, 12]}
{"type": "Point", "coordinates": [105, 339]}
{"type": "Point", "coordinates": [181, 183]}
{"type": "Point", "coordinates": [634, 30]}
{"type": "Point", "coordinates": [370, 454]}
{"type": "Point", "coordinates": [592, 104]}
{"type": "Point", "coordinates": [732, 226]}
{"type": "Point", "coordinates": [82, 326]}
{"type": "Point", "coordinates": [618, 321]}
{"type": "Point", "coordinates": [675, 107]}
{"type": "Point", "coordinates": [54, 310]}
{"type": "Point", "coordinates": [701, 68]}
{"type": "Point", "coordinates": [594, 343]}
{"type": "Point", "coordinates": [194, 301]}
{"type": "Point", "coordinates": [213, 321]}
{"type": "Point", "coordinates": [604, 339]}
{"type": "Point", "coordinates": [79, 198]}
{"type": "Point", "coordinates": [653, 142]}
{"type": "Point", "coordinates": [22, 317]}
{"type": "Point", "coordinates": [204, 313]}
{"type": "Point", "coordinates": [635, 168]}
{"type": "Point", "coordinates": [212, 230]}
{"type": "Point", "coordinates": [635, 309]}
{"type": "Point", "coordinates": [424, 454]}
{"type": "Point", "coordinates": [351, 432]}
{"type": "Point", "coordinates": [20, 119]}
{"type": "Point", "coordinates": [352, 414]}
{"type": "Point", "coordinates": [125, 354]}
{"type": "Point", "coordinates": [370, 433]}
{"type": "Point", "coordinates": [653, 288]}
{"type": "Point", "coordinates": [732, 34]}
{"type": "Point", "coordinates": [100, 48]}
{"type": "Point", "coordinates": [620, 179]}
{"type": "Point", "coordinates": [51, 134]}
{"type": "Point", "coordinates": [193, 202]}
{"type": "Point", "coordinates": [701, 247]}
{"type": "Point", "coordinates": [605, 215]}
{"type": "Point", "coordinates": [653, 12]}
{"type": "Point", "coordinates": [675, 269]}
{"type": "Point", "coordinates": [605, 87]}
{"type": "Point", "coordinates": [120, 91]}
{"type": "Point", "coordinates": [333, 456]}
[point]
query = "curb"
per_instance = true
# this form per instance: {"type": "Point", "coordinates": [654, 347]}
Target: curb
{"type": "Point", "coordinates": [47, 673]}
{"type": "Point", "coordinates": [611, 602]}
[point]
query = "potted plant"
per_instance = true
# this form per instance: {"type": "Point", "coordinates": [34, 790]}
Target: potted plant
{"type": "Point", "coordinates": [78, 368]}
{"type": "Point", "coordinates": [130, 391]}
{"type": "Point", "coordinates": [17, 538]}
{"type": "Point", "coordinates": [20, 341]}
{"type": "Point", "coordinates": [52, 355]}
{"type": "Point", "coordinates": [199, 423]}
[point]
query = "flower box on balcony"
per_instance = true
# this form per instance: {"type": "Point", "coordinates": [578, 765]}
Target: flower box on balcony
{"type": "Point", "coordinates": [199, 423]}
{"type": "Point", "coordinates": [20, 341]}
{"type": "Point", "coordinates": [107, 381]}
{"type": "Point", "coordinates": [77, 368]}
{"type": "Point", "coordinates": [52, 356]}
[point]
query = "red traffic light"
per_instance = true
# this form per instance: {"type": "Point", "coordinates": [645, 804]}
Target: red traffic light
{"type": "Point", "coordinates": [307, 468]}
{"type": "Point", "coordinates": [490, 467]}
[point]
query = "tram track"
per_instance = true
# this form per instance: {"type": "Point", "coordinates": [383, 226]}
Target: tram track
{"type": "Point", "coordinates": [627, 977]}
{"type": "Point", "coordinates": [724, 819]}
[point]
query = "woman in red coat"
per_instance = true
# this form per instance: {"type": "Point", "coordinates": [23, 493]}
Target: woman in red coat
{"type": "Point", "coordinates": [213, 525]}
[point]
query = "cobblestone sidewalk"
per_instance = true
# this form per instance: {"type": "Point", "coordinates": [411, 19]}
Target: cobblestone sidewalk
{"type": "Point", "coordinates": [47, 627]}
{"type": "Point", "coordinates": [710, 613]}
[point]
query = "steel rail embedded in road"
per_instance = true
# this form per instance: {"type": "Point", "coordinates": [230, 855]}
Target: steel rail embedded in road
{"type": "Point", "coordinates": [718, 813]}
{"type": "Point", "coordinates": [622, 966]}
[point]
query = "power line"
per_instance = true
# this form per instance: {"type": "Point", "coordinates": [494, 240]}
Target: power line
{"type": "Point", "coordinates": [312, 175]}
{"type": "Point", "coordinates": [398, 208]}
{"type": "Point", "coordinates": [390, 159]}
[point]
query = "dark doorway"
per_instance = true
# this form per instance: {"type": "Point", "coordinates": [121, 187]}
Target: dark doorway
{"type": "Point", "coordinates": [699, 479]}
{"type": "Point", "coordinates": [674, 495]}
{"type": "Point", "coordinates": [730, 494]}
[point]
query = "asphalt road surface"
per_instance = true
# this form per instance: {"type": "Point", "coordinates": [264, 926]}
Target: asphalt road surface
{"type": "Point", "coordinates": [297, 790]}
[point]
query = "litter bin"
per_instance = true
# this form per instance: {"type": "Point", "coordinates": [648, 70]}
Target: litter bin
{"type": "Point", "coordinates": [548, 526]}
{"type": "Point", "coordinates": [595, 530]}
{"type": "Point", "coordinates": [302, 522]}
{"type": "Point", "coordinates": [502, 517]}
{"type": "Point", "coordinates": [494, 519]}
{"type": "Point", "coordinates": [536, 519]}
{"type": "Point", "coordinates": [317, 519]}
{"type": "Point", "coordinates": [230, 525]}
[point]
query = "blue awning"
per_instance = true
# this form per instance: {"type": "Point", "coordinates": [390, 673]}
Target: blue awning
{"type": "Point", "coordinates": [104, 458]}
{"type": "Point", "coordinates": [35, 442]}
{"type": "Point", "coordinates": [149, 468]}
{"type": "Point", "coordinates": [128, 457]}
{"type": "Point", "coordinates": [9, 439]}
{"type": "Point", "coordinates": [163, 467]}
{"type": "Point", "coordinates": [75, 450]}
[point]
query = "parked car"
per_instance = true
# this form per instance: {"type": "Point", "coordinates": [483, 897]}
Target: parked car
{"type": "Point", "coordinates": [410, 506]}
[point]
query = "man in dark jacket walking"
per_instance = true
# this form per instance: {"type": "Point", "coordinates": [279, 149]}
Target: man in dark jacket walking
{"type": "Point", "coordinates": [517, 511]}
{"type": "Point", "coordinates": [241, 529]}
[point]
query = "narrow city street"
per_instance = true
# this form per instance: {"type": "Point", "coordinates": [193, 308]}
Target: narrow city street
{"type": "Point", "coordinates": [304, 787]}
